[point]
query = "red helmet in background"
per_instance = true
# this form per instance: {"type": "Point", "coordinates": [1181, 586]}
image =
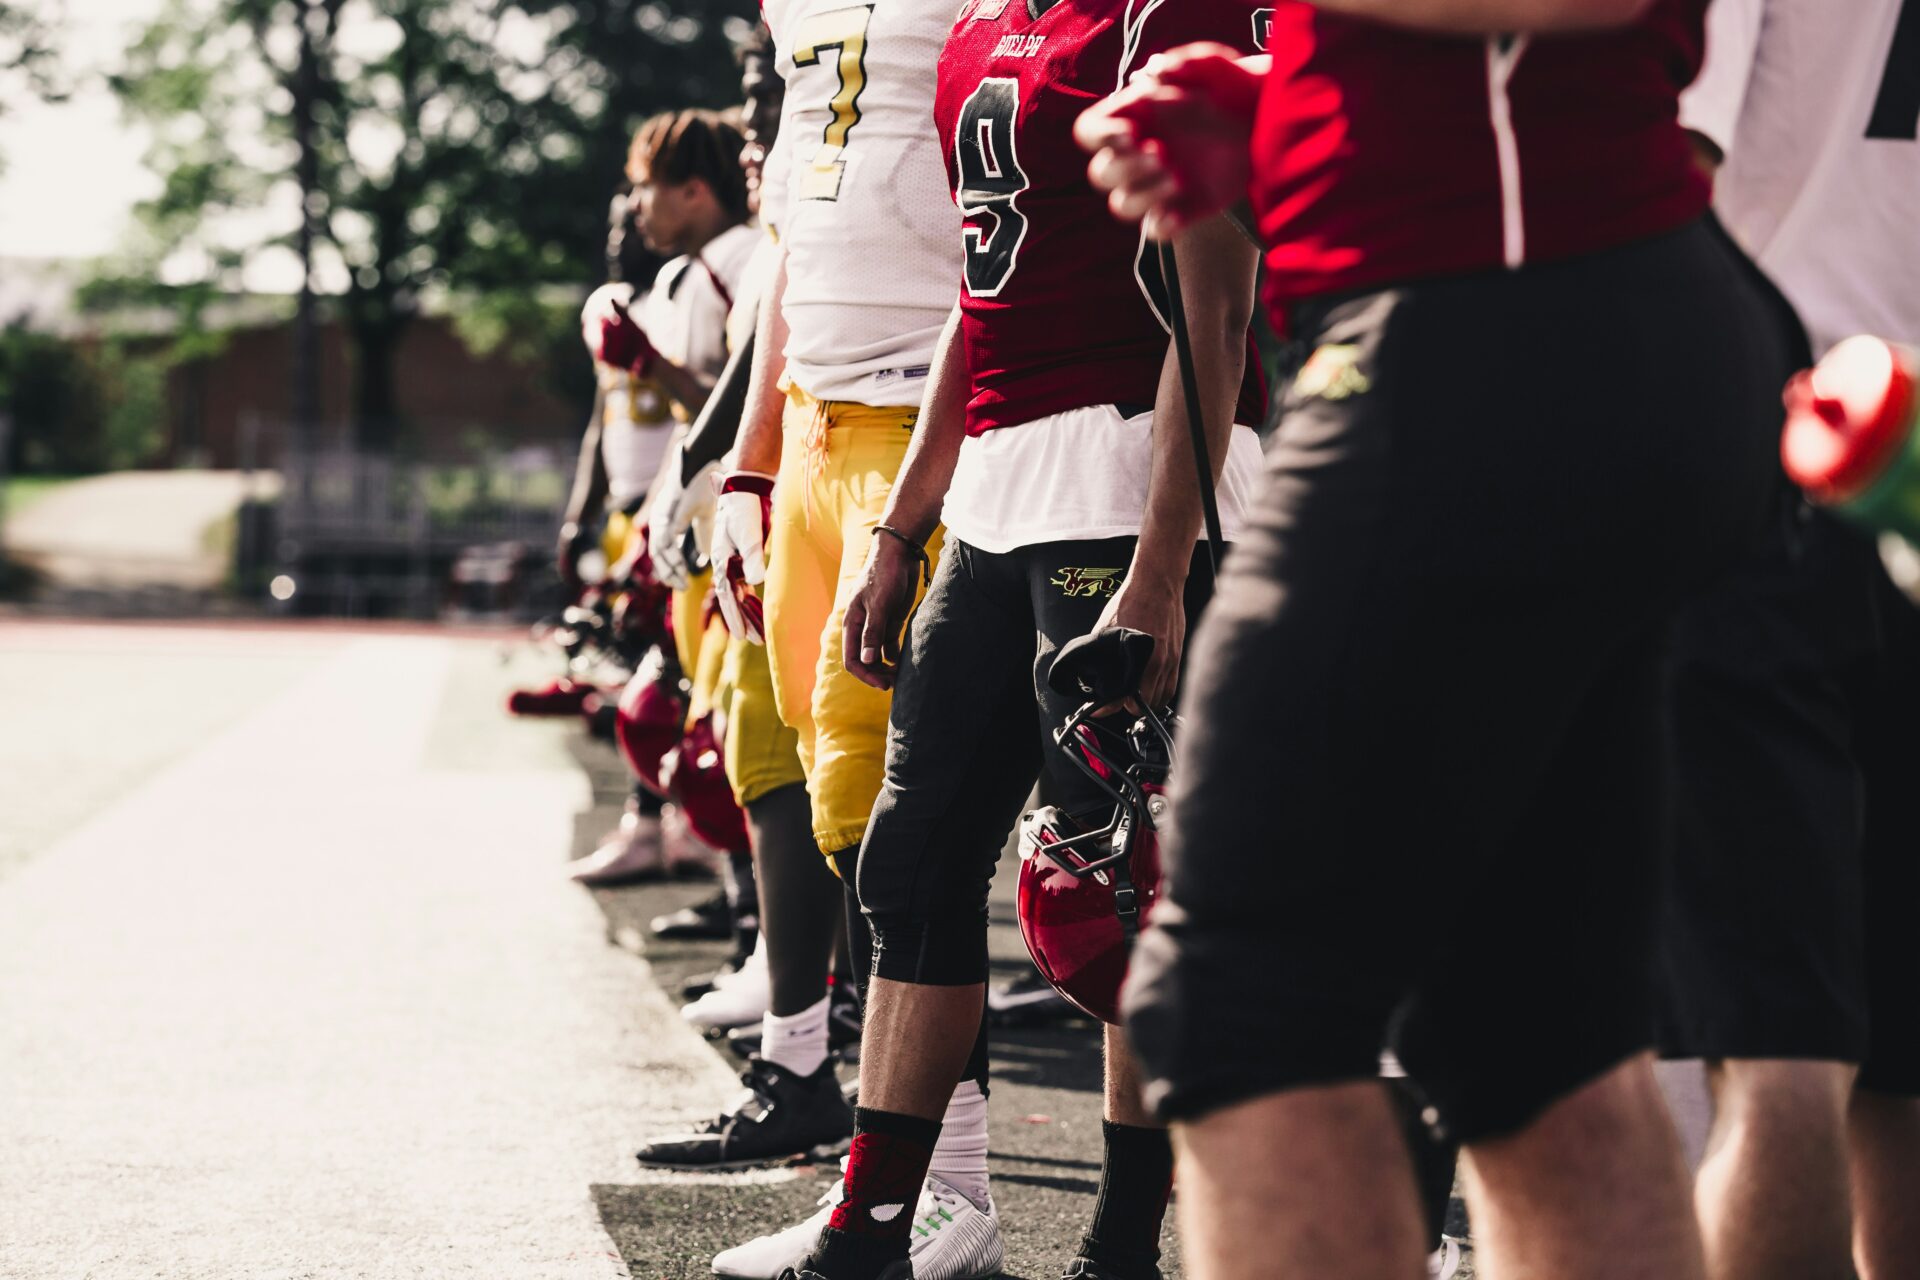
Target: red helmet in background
{"type": "Point", "coordinates": [695, 774]}
{"type": "Point", "coordinates": [649, 720]}
{"type": "Point", "coordinates": [1088, 879]}
{"type": "Point", "coordinates": [641, 602]}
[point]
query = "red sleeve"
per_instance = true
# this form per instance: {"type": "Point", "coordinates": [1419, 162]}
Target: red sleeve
{"type": "Point", "coordinates": [1154, 26]}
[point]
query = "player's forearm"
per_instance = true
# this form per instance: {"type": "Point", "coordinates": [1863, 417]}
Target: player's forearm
{"type": "Point", "coordinates": [758, 445]}
{"type": "Point", "coordinates": [589, 471]}
{"type": "Point", "coordinates": [681, 385]}
{"type": "Point", "coordinates": [920, 490]}
{"type": "Point", "coordinates": [1492, 17]}
{"type": "Point", "coordinates": [1217, 276]}
{"type": "Point", "coordinates": [713, 433]}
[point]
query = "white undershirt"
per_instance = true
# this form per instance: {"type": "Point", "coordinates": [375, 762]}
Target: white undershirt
{"type": "Point", "coordinates": [1075, 476]}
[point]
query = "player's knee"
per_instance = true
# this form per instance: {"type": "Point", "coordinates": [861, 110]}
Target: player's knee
{"type": "Point", "coordinates": [1783, 1098]}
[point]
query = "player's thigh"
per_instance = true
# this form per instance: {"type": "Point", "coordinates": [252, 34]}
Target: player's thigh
{"type": "Point", "coordinates": [1428, 589]}
{"type": "Point", "coordinates": [1543, 979]}
{"type": "Point", "coordinates": [762, 751]}
{"type": "Point", "coordinates": [1889, 752]}
{"type": "Point", "coordinates": [960, 760]}
{"type": "Point", "coordinates": [802, 570]}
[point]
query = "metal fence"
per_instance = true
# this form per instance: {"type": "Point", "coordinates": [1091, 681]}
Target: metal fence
{"type": "Point", "coordinates": [360, 534]}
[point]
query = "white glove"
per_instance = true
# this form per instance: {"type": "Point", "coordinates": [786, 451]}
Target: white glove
{"type": "Point", "coordinates": [743, 516]}
{"type": "Point", "coordinates": [676, 510]}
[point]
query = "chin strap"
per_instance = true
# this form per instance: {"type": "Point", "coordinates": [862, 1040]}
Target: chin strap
{"type": "Point", "coordinates": [1196, 418]}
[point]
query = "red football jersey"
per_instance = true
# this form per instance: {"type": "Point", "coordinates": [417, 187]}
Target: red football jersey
{"type": "Point", "coordinates": [1382, 155]}
{"type": "Point", "coordinates": [1062, 306]}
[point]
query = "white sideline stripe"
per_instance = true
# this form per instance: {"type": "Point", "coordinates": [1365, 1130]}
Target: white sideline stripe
{"type": "Point", "coordinates": [305, 1007]}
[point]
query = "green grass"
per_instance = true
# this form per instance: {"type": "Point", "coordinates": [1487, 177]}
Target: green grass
{"type": "Point", "coordinates": [20, 492]}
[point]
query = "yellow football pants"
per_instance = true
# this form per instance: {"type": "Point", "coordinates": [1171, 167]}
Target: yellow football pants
{"type": "Point", "coordinates": [762, 753]}
{"type": "Point", "coordinates": [837, 465]}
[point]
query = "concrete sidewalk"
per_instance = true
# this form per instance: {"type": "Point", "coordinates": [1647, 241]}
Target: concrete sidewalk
{"type": "Point", "coordinates": [135, 529]}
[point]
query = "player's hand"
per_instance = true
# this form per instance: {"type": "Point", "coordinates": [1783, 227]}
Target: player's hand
{"type": "Point", "coordinates": [677, 510]}
{"type": "Point", "coordinates": [1171, 147]}
{"type": "Point", "coordinates": [612, 336]}
{"type": "Point", "coordinates": [743, 517]}
{"type": "Point", "coordinates": [1156, 605]}
{"type": "Point", "coordinates": [877, 613]}
{"type": "Point", "coordinates": [574, 542]}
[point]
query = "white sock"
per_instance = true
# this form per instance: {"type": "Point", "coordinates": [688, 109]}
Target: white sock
{"type": "Point", "coordinates": [960, 1156]}
{"type": "Point", "coordinates": [799, 1042]}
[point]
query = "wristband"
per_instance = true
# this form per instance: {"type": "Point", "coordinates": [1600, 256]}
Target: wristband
{"type": "Point", "coordinates": [919, 551]}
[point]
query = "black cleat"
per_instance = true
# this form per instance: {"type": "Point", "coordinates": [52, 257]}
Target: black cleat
{"type": "Point", "coordinates": [786, 1118]}
{"type": "Point", "coordinates": [1085, 1268]}
{"type": "Point", "coordinates": [1027, 1001]}
{"type": "Point", "coordinates": [902, 1270]}
{"type": "Point", "coordinates": [712, 919]}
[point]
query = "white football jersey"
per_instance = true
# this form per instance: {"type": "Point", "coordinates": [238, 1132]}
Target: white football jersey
{"type": "Point", "coordinates": [872, 237]}
{"type": "Point", "coordinates": [634, 419]}
{"type": "Point", "coordinates": [1816, 105]}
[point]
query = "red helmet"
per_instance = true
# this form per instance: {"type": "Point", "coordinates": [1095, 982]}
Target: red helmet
{"type": "Point", "coordinates": [1089, 878]}
{"type": "Point", "coordinates": [641, 603]}
{"type": "Point", "coordinates": [649, 719]}
{"type": "Point", "coordinates": [695, 774]}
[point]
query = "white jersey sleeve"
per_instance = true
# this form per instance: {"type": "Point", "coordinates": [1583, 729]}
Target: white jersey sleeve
{"type": "Point", "coordinates": [1822, 173]}
{"type": "Point", "coordinates": [686, 312]}
{"type": "Point", "coordinates": [872, 237]}
{"type": "Point", "coordinates": [1711, 105]}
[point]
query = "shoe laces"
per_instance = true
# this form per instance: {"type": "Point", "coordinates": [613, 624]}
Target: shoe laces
{"type": "Point", "coordinates": [760, 1081]}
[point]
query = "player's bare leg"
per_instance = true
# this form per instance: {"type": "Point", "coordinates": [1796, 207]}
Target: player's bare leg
{"type": "Point", "coordinates": [1594, 1189]}
{"type": "Point", "coordinates": [1885, 1142]}
{"type": "Point", "coordinates": [915, 1045]}
{"type": "Point", "coordinates": [800, 899]}
{"type": "Point", "coordinates": [1323, 1171]}
{"type": "Point", "coordinates": [1123, 1102]}
{"type": "Point", "coordinates": [1773, 1190]}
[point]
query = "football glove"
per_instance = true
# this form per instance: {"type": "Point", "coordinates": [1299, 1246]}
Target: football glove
{"type": "Point", "coordinates": [613, 337]}
{"type": "Point", "coordinates": [743, 516]}
{"type": "Point", "coordinates": [680, 521]}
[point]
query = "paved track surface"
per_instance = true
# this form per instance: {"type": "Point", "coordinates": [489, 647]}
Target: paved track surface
{"type": "Point", "coordinates": [292, 984]}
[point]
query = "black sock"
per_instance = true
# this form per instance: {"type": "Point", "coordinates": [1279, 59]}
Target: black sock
{"type": "Point", "coordinates": [1136, 1176]}
{"type": "Point", "coordinates": [873, 1223]}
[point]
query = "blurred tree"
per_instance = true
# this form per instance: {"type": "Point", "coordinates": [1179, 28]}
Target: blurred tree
{"type": "Point", "coordinates": [29, 59]}
{"type": "Point", "coordinates": [461, 149]}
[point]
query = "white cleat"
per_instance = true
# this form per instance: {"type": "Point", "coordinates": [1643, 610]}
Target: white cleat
{"type": "Point", "coordinates": [766, 1257]}
{"type": "Point", "coordinates": [738, 999]}
{"type": "Point", "coordinates": [632, 852]}
{"type": "Point", "coordinates": [1444, 1263]}
{"type": "Point", "coordinates": [953, 1239]}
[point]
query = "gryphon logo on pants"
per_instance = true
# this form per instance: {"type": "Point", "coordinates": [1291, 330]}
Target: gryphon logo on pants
{"type": "Point", "coordinates": [1087, 583]}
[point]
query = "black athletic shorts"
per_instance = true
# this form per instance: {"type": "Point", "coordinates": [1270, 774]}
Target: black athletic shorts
{"type": "Point", "coordinates": [1421, 795]}
{"type": "Point", "coordinates": [1797, 734]}
{"type": "Point", "coordinates": [971, 730]}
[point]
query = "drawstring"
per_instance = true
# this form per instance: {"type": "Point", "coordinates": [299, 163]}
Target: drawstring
{"type": "Point", "coordinates": [815, 443]}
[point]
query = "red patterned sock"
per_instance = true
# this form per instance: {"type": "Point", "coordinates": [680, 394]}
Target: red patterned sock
{"type": "Point", "coordinates": [885, 1169]}
{"type": "Point", "coordinates": [871, 1226]}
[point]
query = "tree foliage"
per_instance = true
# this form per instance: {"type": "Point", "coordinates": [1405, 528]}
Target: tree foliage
{"type": "Point", "coordinates": [461, 149]}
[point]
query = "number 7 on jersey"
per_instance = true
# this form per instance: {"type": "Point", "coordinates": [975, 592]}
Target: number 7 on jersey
{"type": "Point", "coordinates": [845, 30]}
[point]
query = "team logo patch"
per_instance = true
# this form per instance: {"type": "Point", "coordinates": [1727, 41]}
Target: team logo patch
{"type": "Point", "coordinates": [1332, 372]}
{"type": "Point", "coordinates": [1262, 28]}
{"type": "Point", "coordinates": [984, 10]}
{"type": "Point", "coordinates": [1086, 584]}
